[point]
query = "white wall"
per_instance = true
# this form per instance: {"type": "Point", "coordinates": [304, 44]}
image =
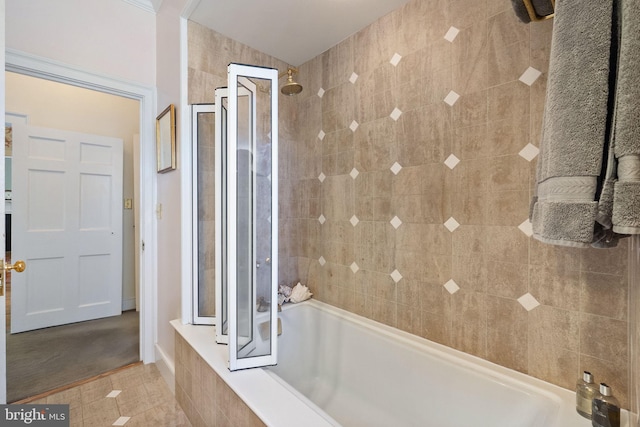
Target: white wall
{"type": "Point", "coordinates": [107, 36]}
{"type": "Point", "coordinates": [169, 224]}
{"type": "Point", "coordinates": [55, 105]}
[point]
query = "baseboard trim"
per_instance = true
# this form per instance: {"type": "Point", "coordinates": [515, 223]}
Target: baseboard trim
{"type": "Point", "coordinates": [167, 368]}
{"type": "Point", "coordinates": [128, 304]}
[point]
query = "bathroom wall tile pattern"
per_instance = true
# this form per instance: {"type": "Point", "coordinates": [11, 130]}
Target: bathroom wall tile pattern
{"type": "Point", "coordinates": [492, 125]}
{"type": "Point", "coordinates": [205, 398]}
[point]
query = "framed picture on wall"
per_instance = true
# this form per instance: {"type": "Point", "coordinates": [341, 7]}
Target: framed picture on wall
{"type": "Point", "coordinates": [166, 139]}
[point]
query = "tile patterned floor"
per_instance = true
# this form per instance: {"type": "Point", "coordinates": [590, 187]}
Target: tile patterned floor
{"type": "Point", "coordinates": [134, 397]}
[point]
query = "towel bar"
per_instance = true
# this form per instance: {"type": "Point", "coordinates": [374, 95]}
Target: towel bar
{"type": "Point", "coordinates": [532, 11]}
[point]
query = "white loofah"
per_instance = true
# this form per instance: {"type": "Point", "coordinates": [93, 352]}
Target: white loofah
{"type": "Point", "coordinates": [300, 293]}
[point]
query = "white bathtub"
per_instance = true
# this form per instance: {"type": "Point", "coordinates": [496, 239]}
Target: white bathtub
{"type": "Point", "coordinates": [339, 369]}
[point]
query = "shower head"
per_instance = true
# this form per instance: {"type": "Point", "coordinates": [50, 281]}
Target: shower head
{"type": "Point", "coordinates": [290, 87]}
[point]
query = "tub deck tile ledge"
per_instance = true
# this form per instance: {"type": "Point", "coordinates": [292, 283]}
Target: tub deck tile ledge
{"type": "Point", "coordinates": [264, 395]}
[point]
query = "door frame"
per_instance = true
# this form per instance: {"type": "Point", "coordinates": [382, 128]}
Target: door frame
{"type": "Point", "coordinates": [34, 66]}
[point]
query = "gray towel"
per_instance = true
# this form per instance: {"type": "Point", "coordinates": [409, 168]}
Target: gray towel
{"type": "Point", "coordinates": [542, 8]}
{"type": "Point", "coordinates": [588, 184]}
{"type": "Point", "coordinates": [626, 131]}
{"type": "Point", "coordinates": [570, 164]}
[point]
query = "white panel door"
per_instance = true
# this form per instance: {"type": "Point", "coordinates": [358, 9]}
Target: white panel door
{"type": "Point", "coordinates": [67, 226]}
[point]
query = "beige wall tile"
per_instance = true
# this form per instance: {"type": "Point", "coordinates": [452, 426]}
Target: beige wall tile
{"type": "Point", "coordinates": [469, 322]}
{"type": "Point", "coordinates": [465, 13]}
{"type": "Point", "coordinates": [554, 364]}
{"type": "Point", "coordinates": [409, 318]}
{"type": "Point", "coordinates": [507, 280]}
{"type": "Point", "coordinates": [470, 272]}
{"type": "Point", "coordinates": [604, 338]}
{"type": "Point", "coordinates": [604, 295]}
{"type": "Point", "coordinates": [508, 101]}
{"type": "Point", "coordinates": [557, 287]}
{"type": "Point", "coordinates": [507, 342]}
{"type": "Point", "coordinates": [507, 62]}
{"type": "Point", "coordinates": [581, 322]}
{"type": "Point", "coordinates": [436, 327]}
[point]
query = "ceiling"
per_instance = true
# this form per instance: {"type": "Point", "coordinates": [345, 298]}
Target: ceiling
{"type": "Point", "coordinates": [293, 31]}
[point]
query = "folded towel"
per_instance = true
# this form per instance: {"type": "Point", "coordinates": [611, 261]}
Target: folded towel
{"type": "Point", "coordinates": [626, 130]}
{"type": "Point", "coordinates": [589, 165]}
{"type": "Point", "coordinates": [570, 163]}
{"type": "Point", "coordinates": [542, 8]}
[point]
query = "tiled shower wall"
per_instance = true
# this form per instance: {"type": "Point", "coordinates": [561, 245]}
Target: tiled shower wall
{"type": "Point", "coordinates": [410, 189]}
{"type": "Point", "coordinates": [405, 182]}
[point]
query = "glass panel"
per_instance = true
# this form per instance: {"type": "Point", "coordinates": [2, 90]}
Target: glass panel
{"type": "Point", "coordinates": [204, 206]}
{"type": "Point", "coordinates": [206, 215]}
{"type": "Point", "coordinates": [224, 311]}
{"type": "Point", "coordinates": [253, 290]}
{"type": "Point", "coordinates": [245, 211]}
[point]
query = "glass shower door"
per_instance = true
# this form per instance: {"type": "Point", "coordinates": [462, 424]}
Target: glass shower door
{"type": "Point", "coordinates": [251, 213]}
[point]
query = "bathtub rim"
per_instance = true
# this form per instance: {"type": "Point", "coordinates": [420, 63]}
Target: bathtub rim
{"type": "Point", "coordinates": [278, 405]}
{"type": "Point", "coordinates": [564, 398]}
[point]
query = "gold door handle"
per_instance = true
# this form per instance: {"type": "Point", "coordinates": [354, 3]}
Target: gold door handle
{"type": "Point", "coordinates": [19, 266]}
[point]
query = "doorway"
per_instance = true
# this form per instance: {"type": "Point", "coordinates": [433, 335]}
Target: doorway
{"type": "Point", "coordinates": [30, 65]}
{"type": "Point", "coordinates": [50, 104]}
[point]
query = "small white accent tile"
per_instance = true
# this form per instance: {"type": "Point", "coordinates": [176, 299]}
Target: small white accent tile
{"type": "Point", "coordinates": [322, 177]}
{"type": "Point", "coordinates": [528, 301]}
{"type": "Point", "coordinates": [530, 76]}
{"type": "Point", "coordinates": [353, 78]}
{"type": "Point", "coordinates": [526, 227]}
{"type": "Point", "coordinates": [395, 114]}
{"type": "Point", "coordinates": [529, 152]}
{"type": "Point", "coordinates": [451, 98]}
{"type": "Point", "coordinates": [452, 161]}
{"type": "Point", "coordinates": [320, 92]}
{"type": "Point", "coordinates": [322, 261]}
{"type": "Point", "coordinates": [396, 276]}
{"type": "Point", "coordinates": [321, 219]}
{"type": "Point", "coordinates": [354, 173]}
{"type": "Point", "coordinates": [451, 34]}
{"type": "Point", "coordinates": [451, 224]}
{"type": "Point", "coordinates": [395, 59]}
{"type": "Point", "coordinates": [395, 168]}
{"type": "Point", "coordinates": [396, 222]}
{"type": "Point", "coordinates": [353, 126]}
{"type": "Point", "coordinates": [452, 287]}
{"type": "Point", "coordinates": [114, 393]}
{"type": "Point", "coordinates": [121, 421]}
{"type": "Point", "coordinates": [354, 220]}
{"type": "Point", "coordinates": [354, 267]}
{"type": "Point", "coordinates": [321, 135]}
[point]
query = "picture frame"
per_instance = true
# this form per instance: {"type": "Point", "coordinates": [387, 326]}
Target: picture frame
{"type": "Point", "coordinates": [166, 139]}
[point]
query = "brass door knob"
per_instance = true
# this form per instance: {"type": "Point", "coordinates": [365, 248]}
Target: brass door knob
{"type": "Point", "coordinates": [19, 266]}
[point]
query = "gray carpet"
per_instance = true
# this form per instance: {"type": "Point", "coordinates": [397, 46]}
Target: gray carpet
{"type": "Point", "coordinates": [45, 359]}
